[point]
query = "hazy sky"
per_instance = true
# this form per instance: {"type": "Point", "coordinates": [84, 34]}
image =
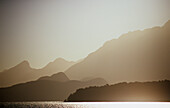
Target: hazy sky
{"type": "Point", "coordinates": [42, 30]}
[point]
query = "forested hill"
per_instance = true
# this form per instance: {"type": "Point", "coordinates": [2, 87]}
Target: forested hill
{"type": "Point", "coordinates": [157, 91]}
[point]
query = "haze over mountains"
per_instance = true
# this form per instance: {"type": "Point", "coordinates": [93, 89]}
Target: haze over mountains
{"type": "Point", "coordinates": [23, 72]}
{"type": "Point", "coordinates": [50, 88]}
{"type": "Point", "coordinates": [135, 56]}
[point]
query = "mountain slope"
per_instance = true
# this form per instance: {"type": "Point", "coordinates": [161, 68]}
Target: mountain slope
{"type": "Point", "coordinates": [24, 73]}
{"type": "Point", "coordinates": [45, 89]}
{"type": "Point", "coordinates": [135, 56]}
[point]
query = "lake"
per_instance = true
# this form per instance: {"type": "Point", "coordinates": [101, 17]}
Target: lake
{"type": "Point", "coordinates": [84, 105]}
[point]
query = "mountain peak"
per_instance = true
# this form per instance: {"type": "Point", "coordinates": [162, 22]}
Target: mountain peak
{"type": "Point", "coordinates": [59, 64]}
{"type": "Point", "coordinates": [167, 23]}
{"type": "Point", "coordinates": [24, 63]}
{"type": "Point", "coordinates": [61, 77]}
{"type": "Point", "coordinates": [61, 60]}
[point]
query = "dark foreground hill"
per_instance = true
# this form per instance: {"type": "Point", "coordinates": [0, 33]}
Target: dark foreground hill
{"type": "Point", "coordinates": [136, 91]}
{"type": "Point", "coordinates": [45, 89]}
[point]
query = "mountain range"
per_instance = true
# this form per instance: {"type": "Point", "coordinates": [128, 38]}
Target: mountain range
{"type": "Point", "coordinates": [23, 72]}
{"type": "Point", "coordinates": [134, 56]}
{"type": "Point", "coordinates": [49, 88]}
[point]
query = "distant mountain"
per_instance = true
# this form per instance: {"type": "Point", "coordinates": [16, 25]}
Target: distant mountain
{"type": "Point", "coordinates": [157, 91]}
{"type": "Point", "coordinates": [59, 65]}
{"type": "Point", "coordinates": [23, 72]}
{"type": "Point", "coordinates": [97, 81]}
{"type": "Point", "coordinates": [135, 56]}
{"type": "Point", "coordinates": [45, 89]}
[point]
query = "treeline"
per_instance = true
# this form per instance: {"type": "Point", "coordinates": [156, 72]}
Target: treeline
{"type": "Point", "coordinates": [156, 91]}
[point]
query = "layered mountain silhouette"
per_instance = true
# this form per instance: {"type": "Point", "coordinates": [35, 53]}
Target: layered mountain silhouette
{"type": "Point", "coordinates": [157, 91]}
{"type": "Point", "coordinates": [135, 56]}
{"type": "Point", "coordinates": [50, 88]}
{"type": "Point", "coordinates": [23, 72]}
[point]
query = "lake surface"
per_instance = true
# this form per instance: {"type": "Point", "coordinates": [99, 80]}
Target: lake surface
{"type": "Point", "coordinates": [85, 105]}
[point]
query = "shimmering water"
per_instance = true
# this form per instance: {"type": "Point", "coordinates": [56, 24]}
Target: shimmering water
{"type": "Point", "coordinates": [85, 105]}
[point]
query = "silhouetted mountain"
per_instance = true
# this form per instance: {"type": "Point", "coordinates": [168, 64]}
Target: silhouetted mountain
{"type": "Point", "coordinates": [49, 89]}
{"type": "Point", "coordinates": [135, 56]}
{"type": "Point", "coordinates": [136, 91]}
{"type": "Point", "coordinates": [60, 77]}
{"type": "Point", "coordinates": [23, 72]}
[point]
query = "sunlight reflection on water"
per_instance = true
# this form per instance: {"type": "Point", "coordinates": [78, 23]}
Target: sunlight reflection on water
{"type": "Point", "coordinates": [85, 105]}
{"type": "Point", "coordinates": [125, 104]}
